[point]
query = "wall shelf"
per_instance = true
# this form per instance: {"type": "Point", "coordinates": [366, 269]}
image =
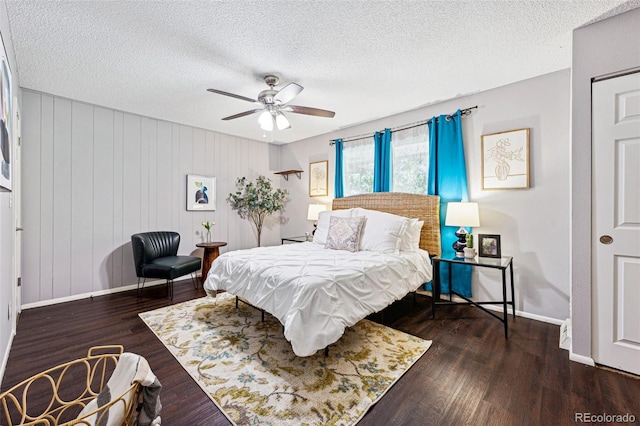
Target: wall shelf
{"type": "Point", "coordinates": [285, 173]}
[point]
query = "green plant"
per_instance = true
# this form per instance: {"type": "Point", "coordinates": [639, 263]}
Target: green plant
{"type": "Point", "coordinates": [256, 201]}
{"type": "Point", "coordinates": [469, 239]}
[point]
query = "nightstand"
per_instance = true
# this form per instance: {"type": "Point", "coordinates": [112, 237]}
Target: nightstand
{"type": "Point", "coordinates": [301, 239]}
{"type": "Point", "coordinates": [502, 263]}
{"type": "Point", "coordinates": [211, 252]}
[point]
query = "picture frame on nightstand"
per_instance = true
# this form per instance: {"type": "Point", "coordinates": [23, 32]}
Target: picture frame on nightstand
{"type": "Point", "coordinates": [489, 245]}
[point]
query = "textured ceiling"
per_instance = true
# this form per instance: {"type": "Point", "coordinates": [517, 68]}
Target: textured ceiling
{"type": "Point", "coordinates": [361, 59]}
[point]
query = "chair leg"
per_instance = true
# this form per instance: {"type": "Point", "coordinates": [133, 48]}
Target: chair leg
{"type": "Point", "coordinates": [195, 281]}
{"type": "Point", "coordinates": [139, 290]}
{"type": "Point", "coordinates": [170, 289]}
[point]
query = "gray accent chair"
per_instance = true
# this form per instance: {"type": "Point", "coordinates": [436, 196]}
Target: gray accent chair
{"type": "Point", "coordinates": [155, 255]}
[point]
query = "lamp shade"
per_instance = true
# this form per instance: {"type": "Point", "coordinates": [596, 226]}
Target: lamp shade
{"type": "Point", "coordinates": [281, 121]}
{"type": "Point", "coordinates": [462, 214]}
{"type": "Point", "coordinates": [314, 210]}
{"type": "Point", "coordinates": [266, 121]}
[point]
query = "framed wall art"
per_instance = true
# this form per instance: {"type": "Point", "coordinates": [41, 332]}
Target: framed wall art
{"type": "Point", "coordinates": [6, 123]}
{"type": "Point", "coordinates": [318, 179]}
{"type": "Point", "coordinates": [201, 193]}
{"type": "Point", "coordinates": [505, 160]}
{"type": "Point", "coordinates": [489, 245]}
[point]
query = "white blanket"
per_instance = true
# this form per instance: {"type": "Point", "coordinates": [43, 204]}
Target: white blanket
{"type": "Point", "coordinates": [316, 292]}
{"type": "Point", "coordinates": [130, 368]}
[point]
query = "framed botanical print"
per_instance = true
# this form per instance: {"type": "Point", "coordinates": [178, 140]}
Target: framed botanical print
{"type": "Point", "coordinates": [201, 193]}
{"type": "Point", "coordinates": [505, 160]}
{"type": "Point", "coordinates": [318, 179]}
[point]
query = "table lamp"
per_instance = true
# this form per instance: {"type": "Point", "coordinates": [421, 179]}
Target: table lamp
{"type": "Point", "coordinates": [312, 214]}
{"type": "Point", "coordinates": [462, 214]}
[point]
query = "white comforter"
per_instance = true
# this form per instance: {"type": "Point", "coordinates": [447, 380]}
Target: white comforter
{"type": "Point", "coordinates": [316, 292]}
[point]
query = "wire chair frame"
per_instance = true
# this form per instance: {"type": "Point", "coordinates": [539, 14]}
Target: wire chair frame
{"type": "Point", "coordinates": [14, 403]}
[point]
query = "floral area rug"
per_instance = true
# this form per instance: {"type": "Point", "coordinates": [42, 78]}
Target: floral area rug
{"type": "Point", "coordinates": [249, 370]}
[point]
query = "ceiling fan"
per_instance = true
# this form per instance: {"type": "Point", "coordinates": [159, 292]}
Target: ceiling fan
{"type": "Point", "coordinates": [273, 105]}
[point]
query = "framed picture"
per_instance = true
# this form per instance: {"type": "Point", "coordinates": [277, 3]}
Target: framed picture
{"type": "Point", "coordinates": [6, 123]}
{"type": "Point", "coordinates": [318, 179]}
{"type": "Point", "coordinates": [201, 193]}
{"type": "Point", "coordinates": [489, 245]}
{"type": "Point", "coordinates": [505, 160]}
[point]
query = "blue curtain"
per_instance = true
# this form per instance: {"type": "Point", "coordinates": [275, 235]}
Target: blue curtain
{"type": "Point", "coordinates": [338, 188]}
{"type": "Point", "coordinates": [382, 161]}
{"type": "Point", "coordinates": [448, 179]}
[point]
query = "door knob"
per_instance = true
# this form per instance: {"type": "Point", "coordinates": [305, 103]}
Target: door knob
{"type": "Point", "coordinates": [606, 239]}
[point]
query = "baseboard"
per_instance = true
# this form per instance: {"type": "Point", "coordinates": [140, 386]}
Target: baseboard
{"type": "Point", "coordinates": [5, 357]}
{"type": "Point", "coordinates": [94, 294]}
{"type": "Point", "coordinates": [582, 359]}
{"type": "Point", "coordinates": [497, 308]}
{"type": "Point", "coordinates": [528, 315]}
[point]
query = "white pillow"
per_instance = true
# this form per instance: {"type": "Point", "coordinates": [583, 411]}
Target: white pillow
{"type": "Point", "coordinates": [411, 237]}
{"type": "Point", "coordinates": [320, 237]}
{"type": "Point", "coordinates": [344, 233]}
{"type": "Point", "coordinates": [382, 231]}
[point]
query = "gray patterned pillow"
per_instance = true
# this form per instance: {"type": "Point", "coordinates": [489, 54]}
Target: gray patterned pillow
{"type": "Point", "coordinates": [344, 233]}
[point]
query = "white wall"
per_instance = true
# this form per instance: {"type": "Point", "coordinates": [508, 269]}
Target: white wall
{"type": "Point", "coordinates": [533, 223]}
{"type": "Point", "coordinates": [7, 222]}
{"type": "Point", "coordinates": [94, 176]}
{"type": "Point", "coordinates": [599, 49]}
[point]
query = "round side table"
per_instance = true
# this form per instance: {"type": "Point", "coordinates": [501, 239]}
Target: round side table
{"type": "Point", "coordinates": [211, 251]}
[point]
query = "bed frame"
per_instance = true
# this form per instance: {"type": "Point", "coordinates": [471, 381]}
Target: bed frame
{"type": "Point", "coordinates": [423, 207]}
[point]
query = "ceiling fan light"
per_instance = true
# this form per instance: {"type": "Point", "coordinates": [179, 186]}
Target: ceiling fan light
{"type": "Point", "coordinates": [282, 122]}
{"type": "Point", "coordinates": [266, 121]}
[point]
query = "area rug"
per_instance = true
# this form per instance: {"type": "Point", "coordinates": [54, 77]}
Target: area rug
{"type": "Point", "coordinates": [250, 372]}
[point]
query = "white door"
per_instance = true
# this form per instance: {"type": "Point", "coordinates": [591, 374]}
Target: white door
{"type": "Point", "coordinates": [616, 222]}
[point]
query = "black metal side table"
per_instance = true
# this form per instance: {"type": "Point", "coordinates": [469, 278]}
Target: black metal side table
{"type": "Point", "coordinates": [502, 263]}
{"type": "Point", "coordinates": [301, 239]}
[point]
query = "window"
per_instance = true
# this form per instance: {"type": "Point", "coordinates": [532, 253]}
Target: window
{"type": "Point", "coordinates": [357, 166]}
{"type": "Point", "coordinates": [410, 160]}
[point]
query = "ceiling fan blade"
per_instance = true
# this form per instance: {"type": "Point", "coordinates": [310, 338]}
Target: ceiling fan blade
{"type": "Point", "coordinates": [309, 111]}
{"type": "Point", "coordinates": [242, 98]}
{"type": "Point", "coordinates": [288, 92]}
{"type": "Point", "coordinates": [242, 114]}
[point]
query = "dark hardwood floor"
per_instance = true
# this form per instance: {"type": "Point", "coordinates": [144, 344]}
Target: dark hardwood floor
{"type": "Point", "coordinates": [470, 375]}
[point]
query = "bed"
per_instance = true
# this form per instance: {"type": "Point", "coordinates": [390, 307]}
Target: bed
{"type": "Point", "coordinates": [316, 292]}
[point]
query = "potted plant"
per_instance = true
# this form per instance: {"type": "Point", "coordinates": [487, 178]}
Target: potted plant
{"type": "Point", "coordinates": [256, 201]}
{"type": "Point", "coordinates": [469, 251]}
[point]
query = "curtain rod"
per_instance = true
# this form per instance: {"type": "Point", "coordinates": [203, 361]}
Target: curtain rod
{"type": "Point", "coordinates": [463, 112]}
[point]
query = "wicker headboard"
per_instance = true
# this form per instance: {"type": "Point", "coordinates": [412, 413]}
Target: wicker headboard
{"type": "Point", "coordinates": [423, 207]}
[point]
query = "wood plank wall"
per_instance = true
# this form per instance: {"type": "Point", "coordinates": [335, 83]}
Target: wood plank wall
{"type": "Point", "coordinates": [92, 176]}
